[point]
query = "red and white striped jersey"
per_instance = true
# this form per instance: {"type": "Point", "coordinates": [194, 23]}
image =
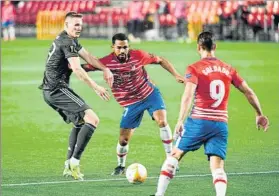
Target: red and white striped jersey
{"type": "Point", "coordinates": [8, 12]}
{"type": "Point", "coordinates": [131, 82]}
{"type": "Point", "coordinates": [213, 78]}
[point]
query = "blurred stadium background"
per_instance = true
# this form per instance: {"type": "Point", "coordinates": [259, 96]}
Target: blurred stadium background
{"type": "Point", "coordinates": [34, 138]}
{"type": "Point", "coordinates": [153, 19]}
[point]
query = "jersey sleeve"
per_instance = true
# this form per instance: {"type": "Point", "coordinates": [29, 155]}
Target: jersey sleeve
{"type": "Point", "coordinates": [236, 78]}
{"type": "Point", "coordinates": [71, 48]}
{"type": "Point", "coordinates": [148, 58]}
{"type": "Point", "coordinates": [104, 61]}
{"type": "Point", "coordinates": [191, 75]}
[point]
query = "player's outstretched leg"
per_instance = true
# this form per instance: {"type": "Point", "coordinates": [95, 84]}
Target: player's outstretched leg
{"type": "Point", "coordinates": [160, 117]}
{"type": "Point", "coordinates": [219, 175]}
{"type": "Point", "coordinates": [72, 142]}
{"type": "Point", "coordinates": [91, 121]}
{"type": "Point", "coordinates": [167, 173]}
{"type": "Point", "coordinates": [122, 151]}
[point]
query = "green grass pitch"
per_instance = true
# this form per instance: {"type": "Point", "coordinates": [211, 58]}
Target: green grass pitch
{"type": "Point", "coordinates": [34, 137]}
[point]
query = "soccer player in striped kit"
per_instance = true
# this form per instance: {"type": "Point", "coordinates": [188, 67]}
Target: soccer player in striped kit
{"type": "Point", "coordinates": [8, 21]}
{"type": "Point", "coordinates": [208, 83]}
{"type": "Point", "coordinates": [134, 91]}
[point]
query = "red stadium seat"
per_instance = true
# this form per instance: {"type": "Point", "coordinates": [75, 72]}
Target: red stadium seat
{"type": "Point", "coordinates": [26, 19]}
{"type": "Point", "coordinates": [162, 20]}
{"type": "Point", "coordinates": [69, 6]}
{"type": "Point", "coordinates": [33, 19]}
{"type": "Point", "coordinates": [104, 10]}
{"type": "Point", "coordinates": [20, 8]}
{"type": "Point", "coordinates": [49, 5]}
{"type": "Point", "coordinates": [86, 19]}
{"type": "Point", "coordinates": [235, 6]}
{"type": "Point", "coordinates": [170, 20]}
{"type": "Point", "coordinates": [261, 10]}
{"type": "Point", "coordinates": [103, 19]}
{"type": "Point", "coordinates": [115, 19]}
{"type": "Point", "coordinates": [124, 15]}
{"type": "Point", "coordinates": [99, 3]}
{"type": "Point", "coordinates": [95, 19]}
{"type": "Point", "coordinates": [29, 5]}
{"type": "Point", "coordinates": [82, 6]}
{"type": "Point", "coordinates": [35, 8]}
{"type": "Point", "coordinates": [251, 19]}
{"type": "Point", "coordinates": [90, 6]}
{"type": "Point", "coordinates": [55, 6]}
{"type": "Point", "coordinates": [76, 6]}
{"type": "Point", "coordinates": [201, 4]}
{"type": "Point", "coordinates": [42, 5]}
{"type": "Point", "coordinates": [107, 2]}
{"type": "Point", "coordinates": [62, 5]}
{"type": "Point", "coordinates": [19, 19]}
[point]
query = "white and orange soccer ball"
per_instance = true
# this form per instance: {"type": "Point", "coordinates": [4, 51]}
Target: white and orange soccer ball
{"type": "Point", "coordinates": [136, 173]}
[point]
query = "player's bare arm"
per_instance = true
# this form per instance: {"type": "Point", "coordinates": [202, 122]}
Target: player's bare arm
{"type": "Point", "coordinates": [83, 76]}
{"type": "Point", "coordinates": [185, 105]}
{"type": "Point", "coordinates": [261, 120]}
{"type": "Point", "coordinates": [169, 67]}
{"type": "Point", "coordinates": [85, 55]}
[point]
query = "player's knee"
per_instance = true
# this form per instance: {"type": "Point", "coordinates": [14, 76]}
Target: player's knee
{"type": "Point", "coordinates": [162, 122]}
{"type": "Point", "coordinates": [91, 118]}
{"type": "Point", "coordinates": [123, 141]}
{"type": "Point", "coordinates": [95, 121]}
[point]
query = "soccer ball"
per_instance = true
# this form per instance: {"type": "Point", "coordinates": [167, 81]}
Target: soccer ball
{"type": "Point", "coordinates": [136, 173]}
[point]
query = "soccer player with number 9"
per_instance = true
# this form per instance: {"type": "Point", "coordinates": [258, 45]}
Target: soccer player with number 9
{"type": "Point", "coordinates": [208, 83]}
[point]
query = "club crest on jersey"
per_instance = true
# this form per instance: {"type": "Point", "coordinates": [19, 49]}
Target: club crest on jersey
{"type": "Point", "coordinates": [188, 75]}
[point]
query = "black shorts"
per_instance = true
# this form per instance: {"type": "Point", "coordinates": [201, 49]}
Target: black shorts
{"type": "Point", "coordinates": [67, 103]}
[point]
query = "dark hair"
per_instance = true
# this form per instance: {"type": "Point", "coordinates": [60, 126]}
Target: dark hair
{"type": "Point", "coordinates": [119, 36]}
{"type": "Point", "coordinates": [206, 40]}
{"type": "Point", "coordinates": [73, 15]}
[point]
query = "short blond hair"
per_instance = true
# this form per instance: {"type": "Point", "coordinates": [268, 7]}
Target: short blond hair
{"type": "Point", "coordinates": [73, 15]}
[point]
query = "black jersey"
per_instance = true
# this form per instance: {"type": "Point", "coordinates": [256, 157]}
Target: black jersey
{"type": "Point", "coordinates": [57, 72]}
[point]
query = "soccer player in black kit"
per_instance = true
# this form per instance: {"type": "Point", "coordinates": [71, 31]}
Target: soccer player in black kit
{"type": "Point", "coordinates": [62, 60]}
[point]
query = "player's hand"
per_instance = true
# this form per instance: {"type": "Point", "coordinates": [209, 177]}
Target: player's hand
{"type": "Point", "coordinates": [102, 92]}
{"type": "Point", "coordinates": [179, 79]}
{"type": "Point", "coordinates": [262, 122]}
{"type": "Point", "coordinates": [178, 130]}
{"type": "Point", "coordinates": [108, 77]}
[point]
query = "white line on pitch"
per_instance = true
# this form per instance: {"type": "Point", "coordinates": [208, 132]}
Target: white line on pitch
{"type": "Point", "coordinates": [122, 179]}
